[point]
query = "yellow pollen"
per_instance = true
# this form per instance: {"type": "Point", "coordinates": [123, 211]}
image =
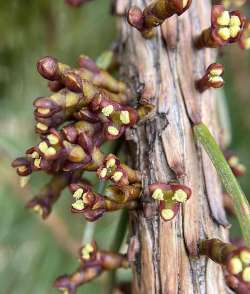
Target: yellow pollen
{"type": "Point", "coordinates": [124, 117]}
{"type": "Point", "coordinates": [117, 176]}
{"type": "Point", "coordinates": [86, 250]}
{"type": "Point", "coordinates": [234, 31]}
{"type": "Point", "coordinates": [78, 193]}
{"type": "Point", "coordinates": [215, 80]}
{"type": "Point", "coordinates": [110, 163]}
{"type": "Point", "coordinates": [235, 21]}
{"type": "Point", "coordinates": [167, 214]}
{"type": "Point", "coordinates": [224, 19]}
{"type": "Point", "coordinates": [245, 256]}
{"type": "Point", "coordinates": [224, 33]}
{"type": "Point", "coordinates": [53, 139]}
{"type": "Point", "coordinates": [77, 154]}
{"type": "Point", "coordinates": [158, 194]}
{"type": "Point", "coordinates": [35, 155]}
{"type": "Point", "coordinates": [107, 110]}
{"type": "Point", "coordinates": [43, 147]}
{"type": "Point", "coordinates": [216, 72]}
{"type": "Point", "coordinates": [246, 274]}
{"type": "Point", "coordinates": [236, 265]}
{"type": "Point", "coordinates": [180, 196]}
{"type": "Point", "coordinates": [37, 162]}
{"type": "Point", "coordinates": [103, 173]}
{"type": "Point", "coordinates": [113, 131]}
{"type": "Point", "coordinates": [43, 110]}
{"type": "Point", "coordinates": [24, 181]}
{"type": "Point", "coordinates": [42, 127]}
{"type": "Point", "coordinates": [78, 205]}
{"type": "Point", "coordinates": [38, 209]}
{"type": "Point", "coordinates": [50, 151]}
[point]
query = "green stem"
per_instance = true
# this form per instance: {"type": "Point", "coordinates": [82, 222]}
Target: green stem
{"type": "Point", "coordinates": [241, 205]}
{"type": "Point", "coordinates": [116, 245]}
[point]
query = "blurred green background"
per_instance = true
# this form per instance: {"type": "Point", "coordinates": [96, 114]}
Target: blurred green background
{"type": "Point", "coordinates": [32, 252]}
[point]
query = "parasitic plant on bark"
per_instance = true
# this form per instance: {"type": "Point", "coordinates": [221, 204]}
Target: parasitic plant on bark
{"type": "Point", "coordinates": [164, 106]}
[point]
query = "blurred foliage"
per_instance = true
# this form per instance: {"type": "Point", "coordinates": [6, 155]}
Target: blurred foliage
{"type": "Point", "coordinates": [32, 254]}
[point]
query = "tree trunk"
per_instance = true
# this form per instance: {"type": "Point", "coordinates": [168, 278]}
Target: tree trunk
{"type": "Point", "coordinates": [162, 71]}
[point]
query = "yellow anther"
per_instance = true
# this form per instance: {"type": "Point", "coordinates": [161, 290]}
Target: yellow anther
{"type": "Point", "coordinates": [50, 151]}
{"type": "Point", "coordinates": [43, 147]}
{"type": "Point", "coordinates": [216, 72]}
{"type": "Point", "coordinates": [43, 110]}
{"type": "Point", "coordinates": [224, 33]}
{"type": "Point", "coordinates": [107, 110]}
{"type": "Point", "coordinates": [236, 265]}
{"type": "Point", "coordinates": [37, 162]}
{"type": "Point", "coordinates": [245, 256]}
{"type": "Point", "coordinates": [103, 173]}
{"type": "Point", "coordinates": [180, 196]}
{"type": "Point", "coordinates": [78, 205]}
{"type": "Point", "coordinates": [38, 209]}
{"type": "Point", "coordinates": [35, 155]}
{"type": "Point", "coordinates": [77, 154]}
{"type": "Point", "coordinates": [110, 163]}
{"type": "Point", "coordinates": [41, 126]}
{"type": "Point", "coordinates": [215, 79]}
{"type": "Point", "coordinates": [184, 3]}
{"type": "Point", "coordinates": [86, 250]}
{"type": "Point", "coordinates": [24, 181]}
{"type": "Point", "coordinates": [53, 139]}
{"type": "Point", "coordinates": [246, 274]}
{"type": "Point", "coordinates": [117, 176]}
{"type": "Point", "coordinates": [124, 117]}
{"type": "Point", "coordinates": [113, 131]}
{"type": "Point", "coordinates": [224, 19]}
{"type": "Point", "coordinates": [78, 193]}
{"type": "Point", "coordinates": [85, 198]}
{"type": "Point", "coordinates": [158, 194]}
{"type": "Point", "coordinates": [167, 214]}
{"type": "Point", "coordinates": [235, 21]}
{"type": "Point", "coordinates": [234, 31]}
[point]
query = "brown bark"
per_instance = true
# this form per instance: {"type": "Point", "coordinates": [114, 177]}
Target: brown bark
{"type": "Point", "coordinates": [163, 71]}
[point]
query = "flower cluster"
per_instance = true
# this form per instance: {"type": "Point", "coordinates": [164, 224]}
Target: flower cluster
{"type": "Point", "coordinates": [226, 27]}
{"type": "Point", "coordinates": [93, 205]}
{"type": "Point", "coordinates": [87, 107]}
{"type": "Point", "coordinates": [212, 78]}
{"type": "Point", "coordinates": [235, 261]}
{"type": "Point", "coordinates": [154, 14]}
{"type": "Point", "coordinates": [93, 262]}
{"type": "Point", "coordinates": [170, 197]}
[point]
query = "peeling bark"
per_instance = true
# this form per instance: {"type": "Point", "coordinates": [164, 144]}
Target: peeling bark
{"type": "Point", "coordinates": [163, 71]}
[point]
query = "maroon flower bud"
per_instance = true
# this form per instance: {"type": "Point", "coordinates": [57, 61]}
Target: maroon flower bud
{"type": "Point", "coordinates": [170, 196]}
{"type": "Point", "coordinates": [48, 68]}
{"type": "Point", "coordinates": [55, 86]}
{"type": "Point", "coordinates": [212, 78]}
{"type": "Point", "coordinates": [154, 14]}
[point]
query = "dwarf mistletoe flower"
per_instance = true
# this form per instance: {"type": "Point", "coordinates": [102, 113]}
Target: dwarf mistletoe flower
{"type": "Point", "coordinates": [93, 205]}
{"type": "Point", "coordinates": [212, 78]}
{"type": "Point", "coordinates": [235, 261]}
{"type": "Point", "coordinates": [93, 262]}
{"type": "Point", "coordinates": [170, 197]}
{"type": "Point", "coordinates": [226, 27]}
{"type": "Point", "coordinates": [154, 14]}
{"type": "Point", "coordinates": [120, 174]}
